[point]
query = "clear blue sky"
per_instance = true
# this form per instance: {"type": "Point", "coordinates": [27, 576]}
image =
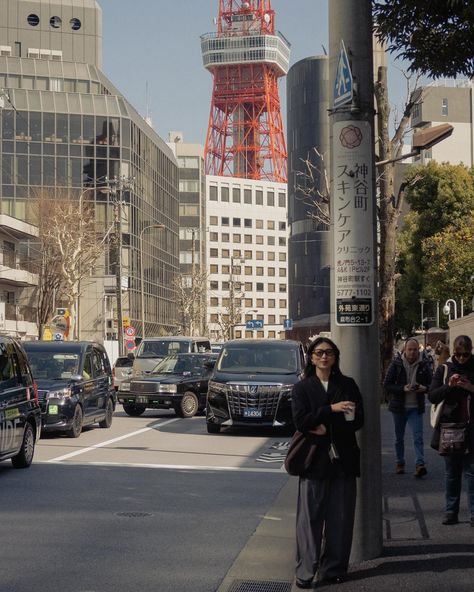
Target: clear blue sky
{"type": "Point", "coordinates": [157, 41]}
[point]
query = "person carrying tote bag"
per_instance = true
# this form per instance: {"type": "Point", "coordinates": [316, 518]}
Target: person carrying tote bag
{"type": "Point", "coordinates": [453, 437]}
{"type": "Point", "coordinates": [328, 406]}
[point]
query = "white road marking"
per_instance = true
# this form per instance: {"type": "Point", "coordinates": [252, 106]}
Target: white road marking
{"type": "Point", "coordinates": [107, 442]}
{"type": "Point", "coordinates": [172, 467]}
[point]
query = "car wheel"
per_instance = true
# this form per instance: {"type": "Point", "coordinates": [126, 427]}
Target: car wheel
{"type": "Point", "coordinates": [109, 413]}
{"type": "Point", "coordinates": [188, 406]}
{"type": "Point", "coordinates": [24, 458]}
{"type": "Point", "coordinates": [213, 428]}
{"type": "Point", "coordinates": [77, 421]}
{"type": "Point", "coordinates": [133, 410]}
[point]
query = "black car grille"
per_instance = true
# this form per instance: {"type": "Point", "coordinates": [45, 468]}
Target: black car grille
{"type": "Point", "coordinates": [144, 387]}
{"type": "Point", "coordinates": [264, 397]}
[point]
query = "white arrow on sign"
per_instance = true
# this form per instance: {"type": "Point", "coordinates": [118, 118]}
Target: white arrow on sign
{"type": "Point", "coordinates": [343, 85]}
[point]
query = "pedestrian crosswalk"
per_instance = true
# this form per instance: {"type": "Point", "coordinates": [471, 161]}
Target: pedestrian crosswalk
{"type": "Point", "coordinates": [275, 457]}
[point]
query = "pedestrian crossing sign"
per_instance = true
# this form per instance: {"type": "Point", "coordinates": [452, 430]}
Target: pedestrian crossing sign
{"type": "Point", "coordinates": [343, 85]}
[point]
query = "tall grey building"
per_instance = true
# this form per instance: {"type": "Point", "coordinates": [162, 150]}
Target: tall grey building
{"type": "Point", "coordinates": [308, 247]}
{"type": "Point", "coordinates": [64, 126]}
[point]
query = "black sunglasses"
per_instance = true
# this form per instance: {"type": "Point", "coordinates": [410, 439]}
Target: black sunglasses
{"type": "Point", "coordinates": [462, 354]}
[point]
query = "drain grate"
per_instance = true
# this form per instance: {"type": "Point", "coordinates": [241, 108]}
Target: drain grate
{"type": "Point", "coordinates": [255, 586]}
{"type": "Point", "coordinates": [134, 514]}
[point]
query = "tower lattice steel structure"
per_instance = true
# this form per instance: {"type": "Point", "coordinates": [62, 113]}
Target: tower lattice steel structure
{"type": "Point", "coordinates": [246, 57]}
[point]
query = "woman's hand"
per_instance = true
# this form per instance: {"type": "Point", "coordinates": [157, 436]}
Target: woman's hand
{"type": "Point", "coordinates": [454, 380]}
{"type": "Point", "coordinates": [342, 406]}
{"type": "Point", "coordinates": [319, 430]}
{"type": "Point", "coordinates": [465, 384]}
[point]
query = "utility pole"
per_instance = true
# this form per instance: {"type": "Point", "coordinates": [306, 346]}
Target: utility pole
{"type": "Point", "coordinates": [354, 300]}
{"type": "Point", "coordinates": [117, 196]}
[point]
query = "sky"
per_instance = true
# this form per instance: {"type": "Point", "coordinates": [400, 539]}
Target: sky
{"type": "Point", "coordinates": [156, 44]}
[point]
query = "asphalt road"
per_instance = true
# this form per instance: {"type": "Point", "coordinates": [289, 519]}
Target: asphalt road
{"type": "Point", "coordinates": [152, 504]}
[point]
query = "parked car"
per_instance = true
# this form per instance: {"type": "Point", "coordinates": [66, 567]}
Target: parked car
{"type": "Point", "coordinates": [74, 384]}
{"type": "Point", "coordinates": [178, 382]}
{"type": "Point", "coordinates": [216, 347]}
{"type": "Point", "coordinates": [122, 370]}
{"type": "Point", "coordinates": [20, 413]}
{"type": "Point", "coordinates": [251, 383]}
{"type": "Point", "coordinates": [153, 349]}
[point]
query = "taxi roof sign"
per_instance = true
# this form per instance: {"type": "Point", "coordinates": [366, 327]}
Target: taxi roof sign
{"type": "Point", "coordinates": [343, 84]}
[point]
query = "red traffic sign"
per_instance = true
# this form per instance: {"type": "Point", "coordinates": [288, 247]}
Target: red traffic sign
{"type": "Point", "coordinates": [130, 331]}
{"type": "Point", "coordinates": [130, 344]}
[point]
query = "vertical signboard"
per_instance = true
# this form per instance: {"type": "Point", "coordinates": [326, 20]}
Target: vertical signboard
{"type": "Point", "coordinates": [354, 257]}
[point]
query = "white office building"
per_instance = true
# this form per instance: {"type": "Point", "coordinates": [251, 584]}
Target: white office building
{"type": "Point", "coordinates": [247, 257]}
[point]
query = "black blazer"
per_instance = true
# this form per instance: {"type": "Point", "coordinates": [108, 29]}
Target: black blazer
{"type": "Point", "coordinates": [311, 406]}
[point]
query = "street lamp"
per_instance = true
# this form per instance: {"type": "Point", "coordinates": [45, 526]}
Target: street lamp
{"type": "Point", "coordinates": [447, 308]}
{"type": "Point", "coordinates": [142, 280]}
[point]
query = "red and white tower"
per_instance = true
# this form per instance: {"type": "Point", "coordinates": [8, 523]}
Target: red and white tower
{"type": "Point", "coordinates": [246, 57]}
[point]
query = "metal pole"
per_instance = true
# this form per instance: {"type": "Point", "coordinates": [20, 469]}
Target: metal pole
{"type": "Point", "coordinates": [142, 273]}
{"type": "Point", "coordinates": [118, 266]}
{"type": "Point", "coordinates": [437, 313]}
{"type": "Point", "coordinates": [354, 303]}
{"type": "Point", "coordinates": [142, 285]}
{"type": "Point", "coordinates": [422, 302]}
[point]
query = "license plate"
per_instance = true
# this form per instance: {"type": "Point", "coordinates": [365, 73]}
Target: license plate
{"type": "Point", "coordinates": [252, 413]}
{"type": "Point", "coordinates": [53, 409]}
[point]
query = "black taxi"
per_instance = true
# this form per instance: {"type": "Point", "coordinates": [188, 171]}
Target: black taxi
{"type": "Point", "coordinates": [20, 415]}
{"type": "Point", "coordinates": [75, 385]}
{"type": "Point", "coordinates": [178, 382]}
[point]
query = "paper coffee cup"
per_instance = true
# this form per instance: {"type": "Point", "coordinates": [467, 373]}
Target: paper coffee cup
{"type": "Point", "coordinates": [350, 415]}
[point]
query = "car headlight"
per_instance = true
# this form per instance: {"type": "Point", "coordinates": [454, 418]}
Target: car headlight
{"type": "Point", "coordinates": [125, 386]}
{"type": "Point", "coordinates": [167, 388]}
{"type": "Point", "coordinates": [216, 387]}
{"type": "Point", "coordinates": [61, 394]}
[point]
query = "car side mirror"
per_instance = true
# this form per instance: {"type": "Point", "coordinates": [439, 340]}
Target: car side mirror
{"type": "Point", "coordinates": [76, 378]}
{"type": "Point", "coordinates": [209, 365]}
{"type": "Point", "coordinates": [131, 356]}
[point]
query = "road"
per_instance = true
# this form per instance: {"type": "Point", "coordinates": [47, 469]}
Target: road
{"type": "Point", "coordinates": [152, 504]}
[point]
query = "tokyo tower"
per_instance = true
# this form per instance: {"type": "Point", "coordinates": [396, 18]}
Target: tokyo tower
{"type": "Point", "coordinates": [246, 57]}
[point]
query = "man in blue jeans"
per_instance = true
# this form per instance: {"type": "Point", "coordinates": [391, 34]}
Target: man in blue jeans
{"type": "Point", "coordinates": [407, 380]}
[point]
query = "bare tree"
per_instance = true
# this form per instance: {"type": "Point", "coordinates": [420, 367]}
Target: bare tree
{"type": "Point", "coordinates": [191, 293]}
{"type": "Point", "coordinates": [389, 204]}
{"type": "Point", "coordinates": [312, 186]}
{"type": "Point", "coordinates": [70, 247]}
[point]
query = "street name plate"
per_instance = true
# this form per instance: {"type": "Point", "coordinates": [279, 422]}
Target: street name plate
{"type": "Point", "coordinates": [353, 237]}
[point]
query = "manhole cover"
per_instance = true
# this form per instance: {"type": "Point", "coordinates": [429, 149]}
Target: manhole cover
{"type": "Point", "coordinates": [255, 586]}
{"type": "Point", "coordinates": [134, 514]}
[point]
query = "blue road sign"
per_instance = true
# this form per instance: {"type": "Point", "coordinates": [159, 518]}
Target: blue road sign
{"type": "Point", "coordinates": [254, 324]}
{"type": "Point", "coordinates": [288, 324]}
{"type": "Point", "coordinates": [343, 85]}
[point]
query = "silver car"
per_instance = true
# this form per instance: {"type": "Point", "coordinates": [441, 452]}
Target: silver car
{"type": "Point", "coordinates": [122, 370]}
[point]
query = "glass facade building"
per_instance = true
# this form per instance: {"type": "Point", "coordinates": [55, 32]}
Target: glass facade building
{"type": "Point", "coordinates": [65, 127]}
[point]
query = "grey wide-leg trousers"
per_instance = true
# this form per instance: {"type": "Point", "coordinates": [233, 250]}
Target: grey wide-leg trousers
{"type": "Point", "coordinates": [324, 524]}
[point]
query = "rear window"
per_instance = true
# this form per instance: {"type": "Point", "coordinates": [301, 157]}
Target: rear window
{"type": "Point", "coordinates": [123, 362]}
{"type": "Point", "coordinates": [160, 349]}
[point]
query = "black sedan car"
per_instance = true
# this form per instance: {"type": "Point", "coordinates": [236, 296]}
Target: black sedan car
{"type": "Point", "coordinates": [178, 382]}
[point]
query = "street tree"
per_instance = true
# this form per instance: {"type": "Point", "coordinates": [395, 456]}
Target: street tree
{"type": "Point", "coordinates": [434, 37]}
{"type": "Point", "coordinates": [443, 196]}
{"type": "Point", "coordinates": [448, 257]}
{"type": "Point", "coordinates": [191, 295]}
{"type": "Point", "coordinates": [71, 246]}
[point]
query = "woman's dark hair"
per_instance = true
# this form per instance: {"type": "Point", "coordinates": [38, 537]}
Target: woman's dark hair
{"type": "Point", "coordinates": [463, 341]}
{"type": "Point", "coordinates": [310, 369]}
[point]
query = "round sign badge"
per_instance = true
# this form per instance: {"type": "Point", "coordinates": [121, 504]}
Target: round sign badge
{"type": "Point", "coordinates": [130, 331]}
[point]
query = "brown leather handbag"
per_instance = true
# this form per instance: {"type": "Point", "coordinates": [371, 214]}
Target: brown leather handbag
{"type": "Point", "coordinates": [300, 454]}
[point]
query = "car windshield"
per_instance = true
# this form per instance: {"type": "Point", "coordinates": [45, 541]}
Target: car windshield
{"type": "Point", "coordinates": [53, 365]}
{"type": "Point", "coordinates": [159, 349]}
{"type": "Point", "coordinates": [184, 364]}
{"type": "Point", "coordinates": [262, 360]}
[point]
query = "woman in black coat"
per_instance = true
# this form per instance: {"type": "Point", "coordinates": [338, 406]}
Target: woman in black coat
{"type": "Point", "coordinates": [326, 405]}
{"type": "Point", "coordinates": [456, 388]}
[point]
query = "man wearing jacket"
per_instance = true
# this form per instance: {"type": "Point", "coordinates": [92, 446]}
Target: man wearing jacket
{"type": "Point", "coordinates": [407, 380]}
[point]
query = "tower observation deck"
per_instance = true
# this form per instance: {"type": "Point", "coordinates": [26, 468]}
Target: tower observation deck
{"type": "Point", "coordinates": [245, 137]}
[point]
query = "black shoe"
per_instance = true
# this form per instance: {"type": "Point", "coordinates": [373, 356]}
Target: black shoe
{"type": "Point", "coordinates": [450, 519]}
{"type": "Point", "coordinates": [303, 583]}
{"type": "Point", "coordinates": [420, 471]}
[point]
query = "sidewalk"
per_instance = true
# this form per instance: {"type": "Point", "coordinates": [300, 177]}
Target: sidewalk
{"type": "Point", "coordinates": [419, 553]}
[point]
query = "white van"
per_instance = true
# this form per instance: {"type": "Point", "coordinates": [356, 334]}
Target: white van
{"type": "Point", "coordinates": [153, 349]}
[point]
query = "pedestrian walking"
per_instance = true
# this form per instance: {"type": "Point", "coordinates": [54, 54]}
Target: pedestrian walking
{"type": "Point", "coordinates": [406, 384]}
{"type": "Point", "coordinates": [328, 404]}
{"type": "Point", "coordinates": [454, 388]}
